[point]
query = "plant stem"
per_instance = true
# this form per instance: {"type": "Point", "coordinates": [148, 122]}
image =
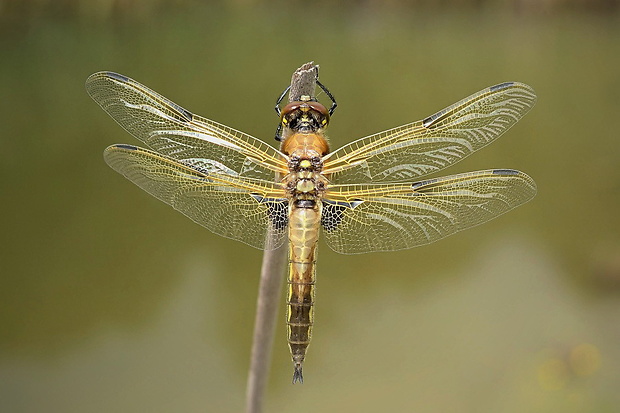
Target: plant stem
{"type": "Point", "coordinates": [303, 82]}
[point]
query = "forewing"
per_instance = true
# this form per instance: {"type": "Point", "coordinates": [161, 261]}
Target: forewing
{"type": "Point", "coordinates": [389, 217]}
{"type": "Point", "coordinates": [427, 146]}
{"type": "Point", "coordinates": [244, 209]}
{"type": "Point", "coordinates": [171, 130]}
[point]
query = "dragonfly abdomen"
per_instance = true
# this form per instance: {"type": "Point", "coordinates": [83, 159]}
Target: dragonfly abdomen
{"type": "Point", "coordinates": [303, 237]}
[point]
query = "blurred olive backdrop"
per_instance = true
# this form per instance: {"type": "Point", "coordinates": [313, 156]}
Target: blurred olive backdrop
{"type": "Point", "coordinates": [112, 301]}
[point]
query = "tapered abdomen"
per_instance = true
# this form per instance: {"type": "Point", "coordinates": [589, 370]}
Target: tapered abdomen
{"type": "Point", "coordinates": [303, 238]}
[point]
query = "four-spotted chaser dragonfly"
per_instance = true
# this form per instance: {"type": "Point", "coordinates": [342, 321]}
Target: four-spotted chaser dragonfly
{"type": "Point", "coordinates": [367, 195]}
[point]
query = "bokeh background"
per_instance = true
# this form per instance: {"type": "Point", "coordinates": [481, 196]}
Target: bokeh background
{"type": "Point", "coordinates": [112, 301]}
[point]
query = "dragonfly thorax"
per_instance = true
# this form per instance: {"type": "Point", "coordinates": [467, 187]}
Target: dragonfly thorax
{"type": "Point", "coordinates": [302, 145]}
{"type": "Point", "coordinates": [305, 180]}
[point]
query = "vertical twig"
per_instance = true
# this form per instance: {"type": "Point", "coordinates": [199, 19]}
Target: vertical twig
{"type": "Point", "coordinates": [303, 82]}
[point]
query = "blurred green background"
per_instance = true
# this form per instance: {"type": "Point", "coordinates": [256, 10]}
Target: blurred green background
{"type": "Point", "coordinates": [112, 301]}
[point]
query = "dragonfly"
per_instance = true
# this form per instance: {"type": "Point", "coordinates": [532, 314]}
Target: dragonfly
{"type": "Point", "coordinates": [370, 195]}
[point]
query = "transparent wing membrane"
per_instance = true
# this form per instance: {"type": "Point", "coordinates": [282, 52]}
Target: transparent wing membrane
{"type": "Point", "coordinates": [170, 130]}
{"type": "Point", "coordinates": [243, 209]}
{"type": "Point", "coordinates": [222, 178]}
{"type": "Point", "coordinates": [420, 148]}
{"type": "Point", "coordinates": [387, 217]}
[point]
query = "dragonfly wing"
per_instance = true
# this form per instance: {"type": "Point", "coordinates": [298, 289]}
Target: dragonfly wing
{"type": "Point", "coordinates": [244, 209]}
{"type": "Point", "coordinates": [427, 146]}
{"type": "Point", "coordinates": [174, 131]}
{"type": "Point", "coordinates": [387, 217]}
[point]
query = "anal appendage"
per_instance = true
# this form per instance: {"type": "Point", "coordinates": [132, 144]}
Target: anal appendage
{"type": "Point", "coordinates": [297, 374]}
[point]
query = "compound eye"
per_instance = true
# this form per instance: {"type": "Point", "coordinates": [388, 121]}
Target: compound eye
{"type": "Point", "coordinates": [317, 106]}
{"type": "Point", "coordinates": [289, 108]}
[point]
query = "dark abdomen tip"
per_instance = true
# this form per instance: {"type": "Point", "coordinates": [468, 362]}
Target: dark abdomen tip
{"type": "Point", "coordinates": [298, 375]}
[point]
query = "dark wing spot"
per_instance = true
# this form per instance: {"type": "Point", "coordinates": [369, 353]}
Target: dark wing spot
{"type": "Point", "coordinates": [354, 204]}
{"type": "Point", "coordinates": [278, 214]}
{"type": "Point", "coordinates": [332, 216]}
{"type": "Point", "coordinates": [507, 172]}
{"type": "Point", "coordinates": [125, 146]}
{"type": "Point", "coordinates": [186, 114]}
{"type": "Point", "coordinates": [333, 213]}
{"type": "Point", "coordinates": [501, 86]}
{"type": "Point", "coordinates": [431, 119]}
{"type": "Point", "coordinates": [423, 183]}
{"type": "Point", "coordinates": [117, 76]}
{"type": "Point", "coordinates": [277, 210]}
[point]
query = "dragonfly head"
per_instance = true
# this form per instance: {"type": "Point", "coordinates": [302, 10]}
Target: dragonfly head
{"type": "Point", "coordinates": [306, 116]}
{"type": "Point", "coordinates": [316, 115]}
